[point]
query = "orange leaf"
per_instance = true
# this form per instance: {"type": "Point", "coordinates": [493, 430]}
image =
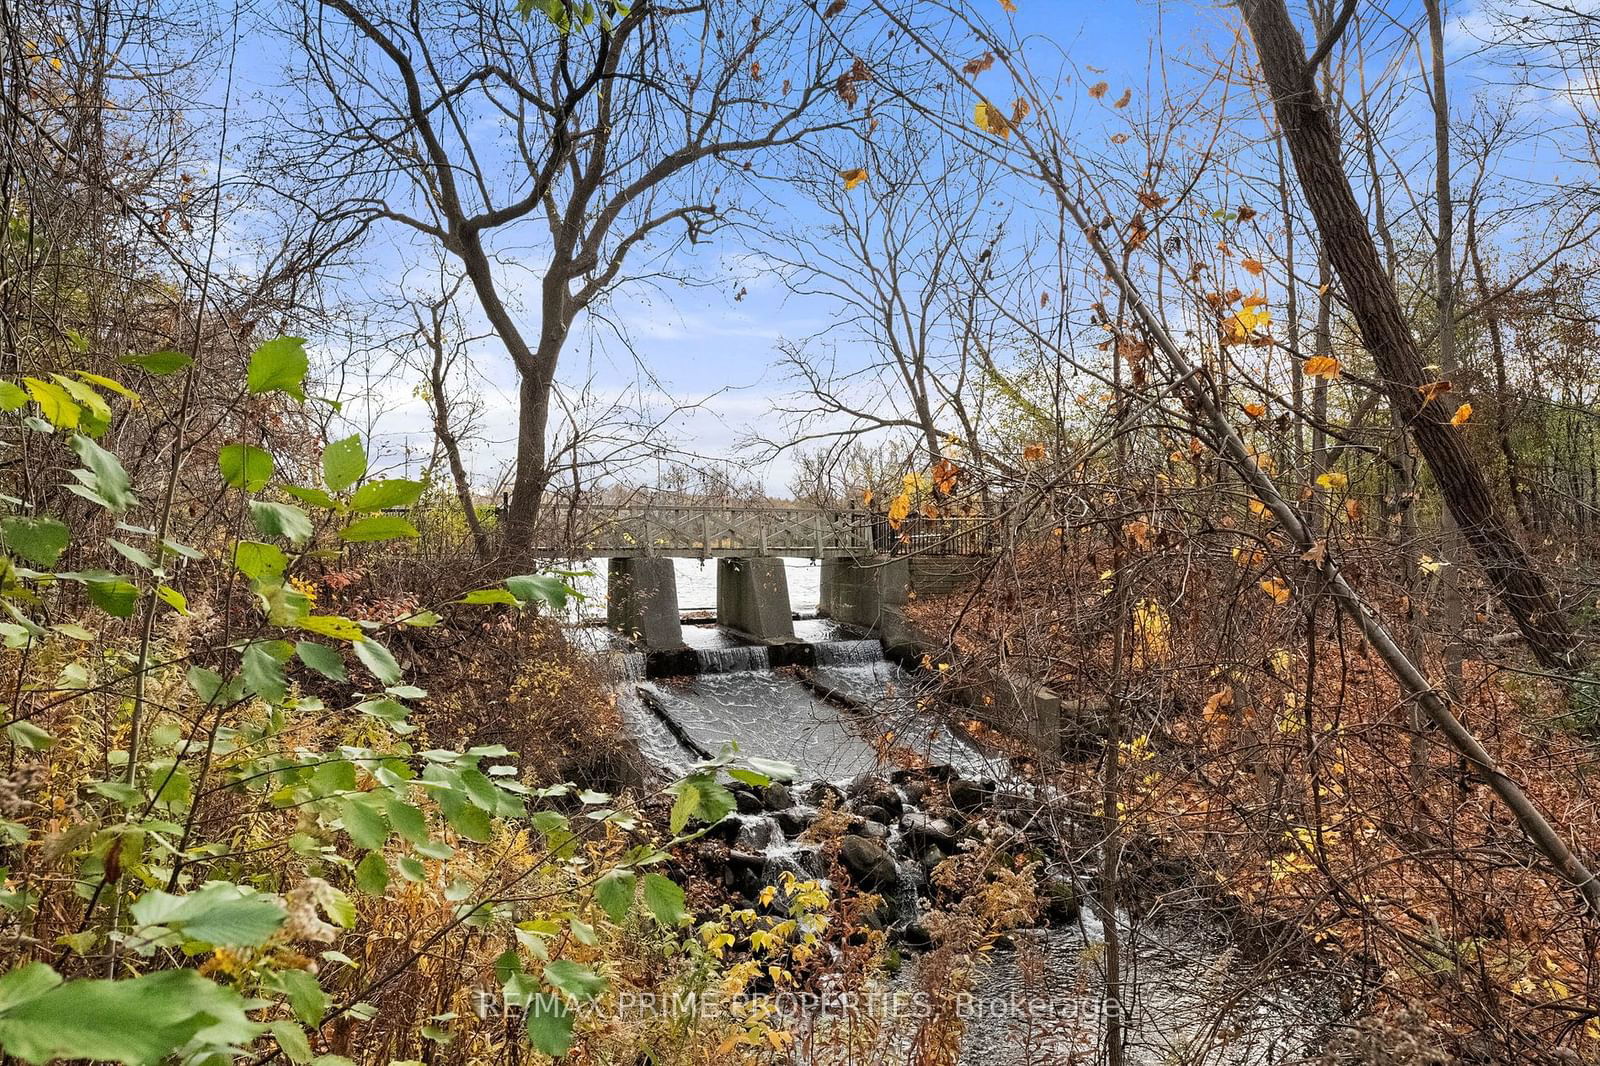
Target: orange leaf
{"type": "Point", "coordinates": [833, 9]}
{"type": "Point", "coordinates": [1221, 698]}
{"type": "Point", "coordinates": [1010, 6]}
{"type": "Point", "coordinates": [1463, 413]}
{"type": "Point", "coordinates": [1252, 265]}
{"type": "Point", "coordinates": [1432, 391]}
{"type": "Point", "coordinates": [899, 508]}
{"type": "Point", "coordinates": [1255, 410]}
{"type": "Point", "coordinates": [1098, 89]}
{"type": "Point", "coordinates": [866, 498]}
{"type": "Point", "coordinates": [1123, 100]}
{"type": "Point", "coordinates": [1277, 588]}
{"type": "Point", "coordinates": [1322, 366]}
{"type": "Point", "coordinates": [1033, 453]}
{"type": "Point", "coordinates": [853, 177]}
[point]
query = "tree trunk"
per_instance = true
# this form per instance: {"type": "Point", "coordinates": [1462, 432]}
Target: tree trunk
{"type": "Point", "coordinates": [1386, 335]}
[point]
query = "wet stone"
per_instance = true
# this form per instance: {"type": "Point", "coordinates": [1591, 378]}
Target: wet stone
{"type": "Point", "coordinates": [869, 864]}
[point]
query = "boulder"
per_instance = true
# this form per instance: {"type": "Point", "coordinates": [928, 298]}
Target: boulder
{"type": "Point", "coordinates": [819, 793]}
{"type": "Point", "coordinates": [874, 813]}
{"type": "Point", "coordinates": [924, 830]}
{"type": "Point", "coordinates": [1061, 901]}
{"type": "Point", "coordinates": [793, 822]}
{"type": "Point", "coordinates": [755, 834]}
{"type": "Point", "coordinates": [777, 796]}
{"type": "Point", "coordinates": [748, 802]}
{"type": "Point", "coordinates": [869, 864]}
{"type": "Point", "coordinates": [873, 831]}
{"type": "Point", "coordinates": [914, 792]}
{"type": "Point", "coordinates": [968, 796]}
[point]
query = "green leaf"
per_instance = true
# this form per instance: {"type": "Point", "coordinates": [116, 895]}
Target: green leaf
{"type": "Point", "coordinates": [11, 397]}
{"type": "Point", "coordinates": [382, 495]}
{"type": "Point", "coordinates": [471, 822]}
{"type": "Point", "coordinates": [335, 626]}
{"type": "Point", "coordinates": [103, 479]}
{"type": "Point", "coordinates": [220, 913]}
{"type": "Point", "coordinates": [376, 658]}
{"type": "Point", "coordinates": [665, 900]}
{"type": "Point", "coordinates": [315, 497]}
{"type": "Point", "coordinates": [364, 822]}
{"type": "Point", "coordinates": [245, 467]}
{"type": "Point", "coordinates": [159, 363]}
{"type": "Point", "coordinates": [305, 996]}
{"type": "Point", "coordinates": [112, 594]}
{"type": "Point", "coordinates": [134, 555]}
{"type": "Point", "coordinates": [96, 415]}
{"type": "Point", "coordinates": [549, 1025]}
{"type": "Point", "coordinates": [38, 540]}
{"type": "Point", "coordinates": [263, 669]}
{"type": "Point", "coordinates": [378, 527]}
{"type": "Point", "coordinates": [281, 520]}
{"type": "Point", "coordinates": [279, 365]}
{"type": "Point", "coordinates": [29, 736]}
{"type": "Point", "coordinates": [575, 980]}
{"type": "Point", "coordinates": [136, 1021]}
{"type": "Point", "coordinates": [292, 1039]}
{"type": "Point", "coordinates": [481, 597]}
{"type": "Point", "coordinates": [614, 893]}
{"type": "Point", "coordinates": [372, 874]}
{"type": "Point", "coordinates": [323, 659]}
{"type": "Point", "coordinates": [699, 796]}
{"type": "Point", "coordinates": [173, 598]}
{"type": "Point", "coordinates": [407, 820]}
{"type": "Point", "coordinates": [344, 462]}
{"type": "Point", "coordinates": [25, 983]}
{"type": "Point", "coordinates": [259, 560]}
{"type": "Point", "coordinates": [540, 588]}
{"type": "Point", "coordinates": [410, 868]}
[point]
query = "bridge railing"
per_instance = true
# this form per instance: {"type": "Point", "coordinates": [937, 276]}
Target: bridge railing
{"type": "Point", "coordinates": [716, 530]}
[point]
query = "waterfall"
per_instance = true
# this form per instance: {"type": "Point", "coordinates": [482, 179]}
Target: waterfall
{"type": "Point", "coordinates": [733, 660]}
{"type": "Point", "coordinates": [625, 665]}
{"type": "Point", "coordinates": [847, 652]}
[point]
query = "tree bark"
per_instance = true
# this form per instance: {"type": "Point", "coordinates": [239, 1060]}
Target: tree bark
{"type": "Point", "coordinates": [1371, 297]}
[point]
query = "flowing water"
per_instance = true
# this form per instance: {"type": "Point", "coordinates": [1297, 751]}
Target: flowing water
{"type": "Point", "coordinates": [1189, 997]}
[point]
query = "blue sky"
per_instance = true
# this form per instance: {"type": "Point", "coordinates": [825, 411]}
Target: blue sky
{"type": "Point", "coordinates": [700, 342]}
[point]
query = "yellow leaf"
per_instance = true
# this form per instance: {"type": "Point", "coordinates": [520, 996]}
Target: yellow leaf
{"type": "Point", "coordinates": [1333, 481]}
{"type": "Point", "coordinates": [1277, 588]}
{"type": "Point", "coordinates": [899, 508]}
{"type": "Point", "coordinates": [990, 120]}
{"type": "Point", "coordinates": [1463, 413]}
{"type": "Point", "coordinates": [866, 498]}
{"type": "Point", "coordinates": [1322, 366]}
{"type": "Point", "coordinates": [1429, 565]}
{"type": "Point", "coordinates": [853, 177]}
{"type": "Point", "coordinates": [1009, 6]}
{"type": "Point", "coordinates": [1151, 626]}
{"type": "Point", "coordinates": [1252, 265]}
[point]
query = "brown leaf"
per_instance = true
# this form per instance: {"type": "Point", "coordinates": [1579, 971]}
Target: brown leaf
{"type": "Point", "coordinates": [1317, 554]}
{"type": "Point", "coordinates": [1124, 99]}
{"type": "Point", "coordinates": [1098, 89]}
{"type": "Point", "coordinates": [977, 66]}
{"type": "Point", "coordinates": [834, 8]}
{"type": "Point", "coordinates": [1252, 265]}
{"type": "Point", "coordinates": [1246, 213]}
{"type": "Point", "coordinates": [1433, 390]}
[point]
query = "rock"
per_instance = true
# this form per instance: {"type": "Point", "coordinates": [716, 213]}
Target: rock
{"type": "Point", "coordinates": [869, 790]}
{"type": "Point", "coordinates": [747, 860]}
{"type": "Point", "coordinates": [793, 822]}
{"type": "Point", "coordinates": [873, 831]}
{"type": "Point", "coordinates": [726, 830]}
{"type": "Point", "coordinates": [754, 835]}
{"type": "Point", "coordinates": [916, 935]}
{"type": "Point", "coordinates": [869, 864]}
{"type": "Point", "coordinates": [777, 796]}
{"type": "Point", "coordinates": [924, 829]}
{"type": "Point", "coordinates": [930, 858]}
{"type": "Point", "coordinates": [1003, 942]}
{"type": "Point", "coordinates": [748, 802]}
{"type": "Point", "coordinates": [820, 792]}
{"type": "Point", "coordinates": [873, 813]}
{"type": "Point", "coordinates": [1061, 902]}
{"type": "Point", "coordinates": [914, 792]}
{"type": "Point", "coordinates": [967, 796]}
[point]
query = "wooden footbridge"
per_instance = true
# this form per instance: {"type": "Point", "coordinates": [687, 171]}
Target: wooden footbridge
{"type": "Point", "coordinates": [727, 531]}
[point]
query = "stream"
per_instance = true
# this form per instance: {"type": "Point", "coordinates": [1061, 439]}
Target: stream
{"type": "Point", "coordinates": [1189, 995]}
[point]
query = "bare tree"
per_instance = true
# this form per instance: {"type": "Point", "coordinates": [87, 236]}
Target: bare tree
{"type": "Point", "coordinates": [583, 148]}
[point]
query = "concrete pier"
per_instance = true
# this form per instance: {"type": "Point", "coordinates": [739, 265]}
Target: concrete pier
{"type": "Point", "coordinates": [642, 595]}
{"type": "Point", "coordinates": [753, 598]}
